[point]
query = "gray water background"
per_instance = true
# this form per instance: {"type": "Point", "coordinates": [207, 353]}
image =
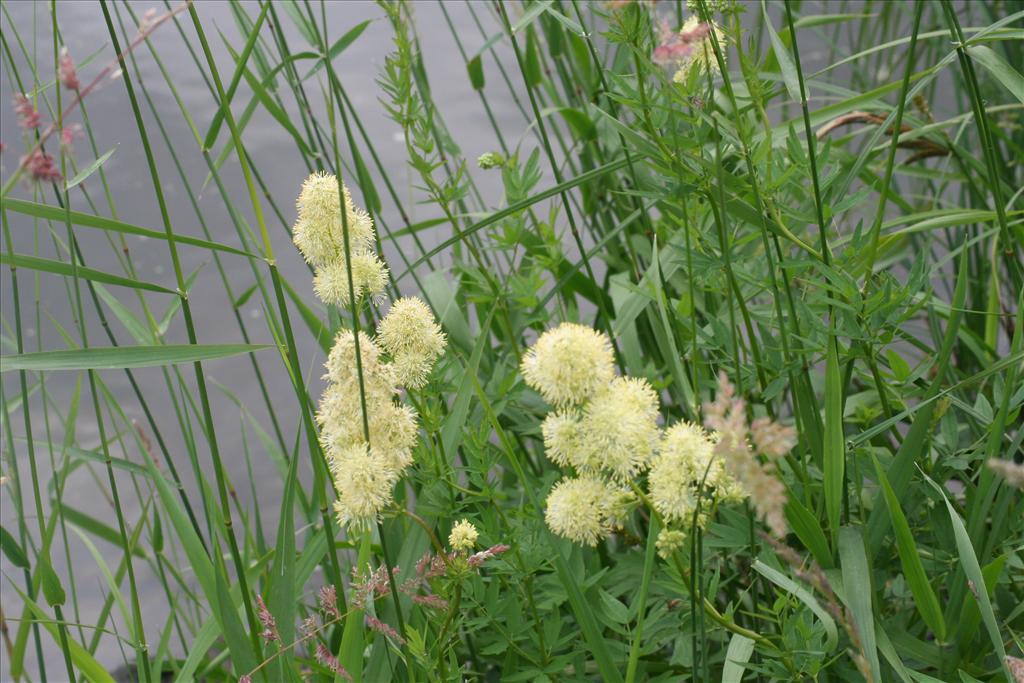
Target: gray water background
{"type": "Point", "coordinates": [277, 159]}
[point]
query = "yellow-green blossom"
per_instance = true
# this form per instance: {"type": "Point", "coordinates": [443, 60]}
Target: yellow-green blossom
{"type": "Point", "coordinates": [579, 509]}
{"type": "Point", "coordinates": [378, 378]}
{"type": "Point", "coordinates": [369, 278]}
{"type": "Point", "coordinates": [414, 340]}
{"type": "Point", "coordinates": [318, 228]}
{"type": "Point", "coordinates": [562, 437]}
{"type": "Point", "coordinates": [463, 536]}
{"type": "Point", "coordinates": [619, 429]}
{"type": "Point", "coordinates": [568, 364]}
{"type": "Point", "coordinates": [393, 427]}
{"type": "Point", "coordinates": [669, 541]}
{"type": "Point", "coordinates": [687, 463]}
{"type": "Point", "coordinates": [364, 483]}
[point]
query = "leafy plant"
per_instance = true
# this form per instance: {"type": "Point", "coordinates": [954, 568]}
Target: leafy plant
{"type": "Point", "coordinates": [799, 226]}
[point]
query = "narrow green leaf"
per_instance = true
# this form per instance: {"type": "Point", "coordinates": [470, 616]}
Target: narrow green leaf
{"type": "Point", "coordinates": [339, 46]}
{"type": "Point", "coordinates": [108, 577]}
{"type": "Point", "coordinates": [455, 421]}
{"type": "Point", "coordinates": [175, 305]}
{"type": "Point", "coordinates": [89, 170]}
{"type": "Point", "coordinates": [140, 333]}
{"type": "Point", "coordinates": [582, 607]}
{"type": "Point", "coordinates": [350, 652]}
{"type": "Point", "coordinates": [281, 587]}
{"type": "Point", "coordinates": [650, 560]}
{"type": "Point", "coordinates": [53, 590]}
{"type": "Point", "coordinates": [835, 452]}
{"type": "Point", "coordinates": [12, 550]}
{"type": "Point", "coordinates": [859, 596]}
{"type": "Point", "coordinates": [999, 68]}
{"type": "Point", "coordinates": [55, 213]}
{"type": "Point", "coordinates": [532, 73]}
{"type": "Point", "coordinates": [913, 571]}
{"type": "Point", "coordinates": [243, 297]}
{"type": "Point", "coordinates": [786, 66]}
{"type": "Point", "coordinates": [291, 8]}
{"type": "Point", "coordinates": [807, 528]}
{"type": "Point", "coordinates": [530, 14]}
{"type": "Point", "coordinates": [572, 25]}
{"type": "Point", "coordinates": [84, 662]}
{"type": "Point", "coordinates": [88, 523]}
{"type": "Point", "coordinates": [971, 567]}
{"type": "Point", "coordinates": [240, 62]}
{"type": "Point", "coordinates": [736, 658]}
{"type": "Point", "coordinates": [476, 73]}
{"type": "Point", "coordinates": [513, 209]}
{"type": "Point", "coordinates": [66, 269]}
{"type": "Point", "coordinates": [279, 115]}
{"type": "Point", "coordinates": [813, 20]}
{"type": "Point", "coordinates": [117, 357]}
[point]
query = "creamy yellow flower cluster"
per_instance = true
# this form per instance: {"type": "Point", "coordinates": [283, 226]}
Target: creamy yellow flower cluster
{"type": "Point", "coordinates": [606, 428]}
{"type": "Point", "coordinates": [319, 233]}
{"type": "Point", "coordinates": [402, 354]}
{"type": "Point", "coordinates": [367, 434]}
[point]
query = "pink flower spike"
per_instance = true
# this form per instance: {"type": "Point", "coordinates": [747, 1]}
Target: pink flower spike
{"type": "Point", "coordinates": [325, 657]}
{"type": "Point", "coordinates": [68, 75]}
{"type": "Point", "coordinates": [269, 632]}
{"type": "Point", "coordinates": [484, 555]}
{"type": "Point", "coordinates": [41, 166]}
{"type": "Point", "coordinates": [382, 628]}
{"type": "Point", "coordinates": [329, 601]}
{"type": "Point", "coordinates": [68, 134]}
{"type": "Point", "coordinates": [28, 115]}
{"type": "Point", "coordinates": [431, 601]}
{"type": "Point", "coordinates": [671, 52]}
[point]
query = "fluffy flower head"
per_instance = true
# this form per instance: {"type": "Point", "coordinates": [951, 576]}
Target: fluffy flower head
{"type": "Point", "coordinates": [369, 277]}
{"type": "Point", "coordinates": [318, 231]}
{"type": "Point", "coordinates": [414, 340]}
{"type": "Point", "coordinates": [341, 365]}
{"type": "Point", "coordinates": [364, 485]}
{"type": "Point", "coordinates": [568, 364]}
{"type": "Point", "coordinates": [619, 429]}
{"type": "Point", "coordinates": [669, 541]}
{"type": "Point", "coordinates": [563, 438]}
{"type": "Point", "coordinates": [1011, 472]}
{"type": "Point", "coordinates": [676, 473]}
{"type": "Point", "coordinates": [770, 438]}
{"type": "Point", "coordinates": [578, 509]}
{"type": "Point", "coordinates": [463, 535]}
{"type": "Point", "coordinates": [392, 426]}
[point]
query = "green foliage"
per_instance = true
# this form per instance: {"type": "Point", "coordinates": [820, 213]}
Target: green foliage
{"type": "Point", "coordinates": [837, 230]}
